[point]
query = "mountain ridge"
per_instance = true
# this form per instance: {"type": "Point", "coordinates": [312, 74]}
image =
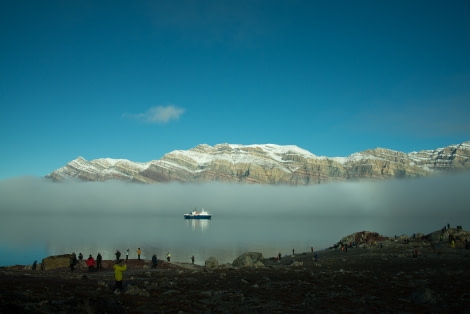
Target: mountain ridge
{"type": "Point", "coordinates": [268, 164]}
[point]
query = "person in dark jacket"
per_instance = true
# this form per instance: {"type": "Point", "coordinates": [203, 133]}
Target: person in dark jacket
{"type": "Point", "coordinates": [73, 261]}
{"type": "Point", "coordinates": [99, 258]}
{"type": "Point", "coordinates": [154, 261]}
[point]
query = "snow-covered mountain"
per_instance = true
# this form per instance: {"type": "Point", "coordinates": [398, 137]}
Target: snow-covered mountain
{"type": "Point", "coordinates": [268, 164]}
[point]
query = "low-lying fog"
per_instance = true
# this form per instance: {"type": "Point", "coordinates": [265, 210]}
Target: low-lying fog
{"type": "Point", "coordinates": [41, 218]}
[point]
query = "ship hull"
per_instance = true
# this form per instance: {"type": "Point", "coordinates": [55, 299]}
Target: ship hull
{"type": "Point", "coordinates": [197, 216]}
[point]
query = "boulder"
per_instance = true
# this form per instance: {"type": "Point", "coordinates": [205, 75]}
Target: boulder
{"type": "Point", "coordinates": [212, 262]}
{"type": "Point", "coordinates": [57, 261]}
{"type": "Point", "coordinates": [248, 259]}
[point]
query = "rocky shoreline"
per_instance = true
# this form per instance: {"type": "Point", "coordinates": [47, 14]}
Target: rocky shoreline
{"type": "Point", "coordinates": [424, 273]}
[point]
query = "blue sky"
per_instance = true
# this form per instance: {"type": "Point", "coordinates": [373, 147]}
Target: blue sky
{"type": "Point", "coordinates": [138, 79]}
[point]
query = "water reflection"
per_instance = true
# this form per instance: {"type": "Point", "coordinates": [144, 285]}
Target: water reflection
{"type": "Point", "coordinates": [198, 224]}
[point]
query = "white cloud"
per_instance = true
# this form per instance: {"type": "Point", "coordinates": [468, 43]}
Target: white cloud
{"type": "Point", "coordinates": [159, 114]}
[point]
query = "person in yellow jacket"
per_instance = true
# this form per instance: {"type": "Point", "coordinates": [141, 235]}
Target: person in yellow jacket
{"type": "Point", "coordinates": [119, 267]}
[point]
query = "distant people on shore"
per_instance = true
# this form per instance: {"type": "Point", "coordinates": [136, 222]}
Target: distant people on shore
{"type": "Point", "coordinates": [99, 258]}
{"type": "Point", "coordinates": [127, 255]}
{"type": "Point", "coordinates": [91, 264]}
{"type": "Point", "coordinates": [139, 251]}
{"type": "Point", "coordinates": [452, 240]}
{"type": "Point", "coordinates": [73, 261]}
{"type": "Point", "coordinates": [118, 255]}
{"type": "Point", "coordinates": [80, 256]}
{"type": "Point", "coordinates": [447, 228]}
{"type": "Point", "coordinates": [168, 256]}
{"type": "Point", "coordinates": [34, 265]}
{"type": "Point", "coordinates": [154, 261]}
{"type": "Point", "coordinates": [192, 259]}
{"type": "Point", "coordinates": [119, 267]}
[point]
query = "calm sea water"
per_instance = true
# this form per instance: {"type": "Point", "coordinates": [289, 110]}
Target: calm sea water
{"type": "Point", "coordinates": [28, 237]}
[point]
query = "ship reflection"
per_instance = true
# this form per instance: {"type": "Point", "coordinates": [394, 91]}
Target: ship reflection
{"type": "Point", "coordinates": [198, 224]}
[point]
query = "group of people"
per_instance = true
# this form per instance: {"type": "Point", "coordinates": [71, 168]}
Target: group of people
{"type": "Point", "coordinates": [119, 267]}
{"type": "Point", "coordinates": [90, 262]}
{"type": "Point", "coordinates": [118, 254]}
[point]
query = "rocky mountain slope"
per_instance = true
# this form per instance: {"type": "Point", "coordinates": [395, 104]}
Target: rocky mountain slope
{"type": "Point", "coordinates": [269, 164]}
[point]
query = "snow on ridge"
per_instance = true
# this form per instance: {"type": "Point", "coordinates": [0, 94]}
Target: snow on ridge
{"type": "Point", "coordinates": [284, 149]}
{"type": "Point", "coordinates": [198, 157]}
{"type": "Point", "coordinates": [358, 157]}
{"type": "Point", "coordinates": [167, 164]}
{"type": "Point", "coordinates": [204, 153]}
{"type": "Point", "coordinates": [236, 153]}
{"type": "Point", "coordinates": [106, 164]}
{"type": "Point", "coordinates": [264, 154]}
{"type": "Point", "coordinates": [273, 150]}
{"type": "Point", "coordinates": [340, 160]}
{"type": "Point", "coordinates": [111, 162]}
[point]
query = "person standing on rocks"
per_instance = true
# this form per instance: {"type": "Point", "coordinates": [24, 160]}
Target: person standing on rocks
{"type": "Point", "coordinates": [154, 261]}
{"type": "Point", "coordinates": [192, 259]}
{"type": "Point", "coordinates": [138, 253]}
{"type": "Point", "coordinates": [118, 255]}
{"type": "Point", "coordinates": [91, 264]}
{"type": "Point", "coordinates": [99, 258]}
{"type": "Point", "coordinates": [118, 269]}
{"type": "Point", "coordinates": [168, 256]}
{"type": "Point", "coordinates": [73, 261]}
{"type": "Point", "coordinates": [127, 255]}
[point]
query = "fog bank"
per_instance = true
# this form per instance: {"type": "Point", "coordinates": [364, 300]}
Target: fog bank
{"type": "Point", "coordinates": [54, 218]}
{"type": "Point", "coordinates": [443, 195]}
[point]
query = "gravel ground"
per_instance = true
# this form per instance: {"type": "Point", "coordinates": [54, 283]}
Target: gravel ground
{"type": "Point", "coordinates": [367, 279]}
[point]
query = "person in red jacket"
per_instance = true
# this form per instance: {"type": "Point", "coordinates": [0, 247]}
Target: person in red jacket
{"type": "Point", "coordinates": [91, 263]}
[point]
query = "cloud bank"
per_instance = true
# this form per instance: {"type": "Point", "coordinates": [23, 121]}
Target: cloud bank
{"type": "Point", "coordinates": [101, 217]}
{"type": "Point", "coordinates": [440, 195]}
{"type": "Point", "coordinates": [158, 114]}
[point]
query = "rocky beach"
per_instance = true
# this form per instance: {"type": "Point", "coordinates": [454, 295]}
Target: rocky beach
{"type": "Point", "coordinates": [363, 272]}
